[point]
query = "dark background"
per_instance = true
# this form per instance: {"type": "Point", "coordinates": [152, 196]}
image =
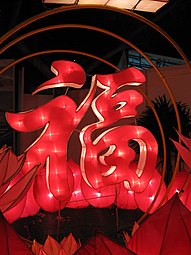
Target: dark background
{"type": "Point", "coordinates": [80, 222]}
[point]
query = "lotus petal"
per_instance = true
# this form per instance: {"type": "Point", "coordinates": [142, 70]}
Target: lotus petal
{"type": "Point", "coordinates": [51, 246]}
{"type": "Point", "coordinates": [16, 193]}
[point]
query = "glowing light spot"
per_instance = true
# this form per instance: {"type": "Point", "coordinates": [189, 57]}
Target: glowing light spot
{"type": "Point", "coordinates": [42, 117]}
{"type": "Point", "coordinates": [151, 198]}
{"type": "Point", "coordinates": [50, 195]}
{"type": "Point", "coordinates": [98, 194]}
{"type": "Point", "coordinates": [29, 163]}
{"type": "Point", "coordinates": [130, 192]}
{"type": "Point", "coordinates": [19, 123]}
{"type": "Point", "coordinates": [120, 153]}
{"type": "Point", "coordinates": [40, 150]}
{"type": "Point", "coordinates": [76, 192]}
{"type": "Point", "coordinates": [56, 150]}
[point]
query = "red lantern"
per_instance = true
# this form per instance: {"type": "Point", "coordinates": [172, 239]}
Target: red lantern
{"type": "Point", "coordinates": [43, 196]}
{"type": "Point", "coordinates": [68, 74]}
{"type": "Point", "coordinates": [145, 198]}
{"type": "Point", "coordinates": [125, 198]}
{"type": "Point", "coordinates": [99, 198]}
{"type": "Point", "coordinates": [109, 154]}
{"type": "Point", "coordinates": [106, 161]}
{"type": "Point", "coordinates": [77, 199]}
{"type": "Point", "coordinates": [114, 165]}
{"type": "Point", "coordinates": [52, 143]}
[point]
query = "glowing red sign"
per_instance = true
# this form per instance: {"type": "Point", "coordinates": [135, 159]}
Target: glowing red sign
{"type": "Point", "coordinates": [106, 161]}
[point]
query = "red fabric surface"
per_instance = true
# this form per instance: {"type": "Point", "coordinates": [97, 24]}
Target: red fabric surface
{"type": "Point", "coordinates": [167, 231]}
{"type": "Point", "coordinates": [10, 242]}
{"type": "Point", "coordinates": [100, 244]}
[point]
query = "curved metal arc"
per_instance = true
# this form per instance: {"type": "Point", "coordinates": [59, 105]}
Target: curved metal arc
{"type": "Point", "coordinates": [57, 51]}
{"type": "Point", "coordinates": [165, 157]}
{"type": "Point", "coordinates": [98, 7]}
